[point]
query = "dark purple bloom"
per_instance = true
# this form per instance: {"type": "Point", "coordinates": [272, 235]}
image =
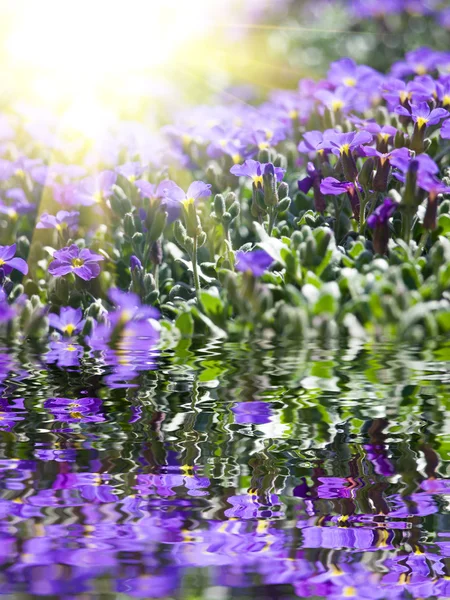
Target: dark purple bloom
{"type": "Point", "coordinates": [71, 259]}
{"type": "Point", "coordinates": [422, 114]}
{"type": "Point", "coordinates": [347, 73]}
{"type": "Point", "coordinates": [382, 213]}
{"type": "Point", "coordinates": [312, 180]}
{"type": "Point", "coordinates": [256, 262]}
{"type": "Point", "coordinates": [401, 159]}
{"type": "Point", "coordinates": [63, 218]}
{"type": "Point", "coordinates": [8, 261]}
{"type": "Point", "coordinates": [255, 170]}
{"type": "Point", "coordinates": [69, 321]}
{"type": "Point", "coordinates": [7, 312]}
{"type": "Point", "coordinates": [135, 263]}
{"type": "Point", "coordinates": [334, 187]}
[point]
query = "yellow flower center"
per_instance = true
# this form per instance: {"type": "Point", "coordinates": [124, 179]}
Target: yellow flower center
{"type": "Point", "coordinates": [349, 591]}
{"type": "Point", "coordinates": [98, 197]}
{"type": "Point", "coordinates": [337, 105]}
{"type": "Point", "coordinates": [263, 145]}
{"type": "Point", "coordinates": [2, 262]}
{"type": "Point", "coordinates": [345, 149]}
{"type": "Point", "coordinates": [77, 262]}
{"type": "Point", "coordinates": [71, 348]}
{"type": "Point", "coordinates": [403, 96]}
{"type": "Point", "coordinates": [350, 81]}
{"type": "Point", "coordinates": [446, 100]}
{"type": "Point", "coordinates": [236, 158]}
{"type": "Point", "coordinates": [69, 328]}
{"type": "Point", "coordinates": [421, 122]}
{"type": "Point", "coordinates": [258, 180]}
{"type": "Point", "coordinates": [421, 69]}
{"type": "Point", "coordinates": [187, 202]}
{"type": "Point", "coordinates": [293, 114]}
{"type": "Point", "coordinates": [76, 415]}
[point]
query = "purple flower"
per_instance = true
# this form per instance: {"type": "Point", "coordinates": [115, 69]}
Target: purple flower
{"type": "Point", "coordinates": [196, 190]}
{"type": "Point", "coordinates": [343, 99]}
{"type": "Point", "coordinates": [256, 262]}
{"type": "Point", "coordinates": [249, 506]}
{"type": "Point", "coordinates": [135, 263]}
{"type": "Point", "coordinates": [93, 190]}
{"type": "Point", "coordinates": [401, 159]}
{"type": "Point", "coordinates": [382, 213]}
{"type": "Point", "coordinates": [252, 412]}
{"type": "Point", "coordinates": [254, 169]}
{"type": "Point", "coordinates": [129, 307]}
{"type": "Point", "coordinates": [445, 130]}
{"type": "Point", "coordinates": [334, 187]}
{"type": "Point", "coordinates": [63, 218]}
{"type": "Point", "coordinates": [422, 114]}
{"type": "Point", "coordinates": [65, 353]}
{"type": "Point", "coordinates": [312, 141]}
{"type": "Point", "coordinates": [162, 193]}
{"type": "Point", "coordinates": [420, 61]}
{"type": "Point", "coordinates": [347, 73]}
{"type": "Point", "coordinates": [7, 312]}
{"type": "Point", "coordinates": [8, 261]}
{"type": "Point", "coordinates": [71, 259]}
{"type": "Point", "coordinates": [69, 321]}
{"type": "Point", "coordinates": [396, 91]}
{"type": "Point", "coordinates": [75, 411]}
{"type": "Point", "coordinates": [344, 143]}
{"type": "Point", "coordinates": [130, 170]}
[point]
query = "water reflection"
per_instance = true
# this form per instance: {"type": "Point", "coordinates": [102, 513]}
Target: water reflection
{"type": "Point", "coordinates": [228, 473]}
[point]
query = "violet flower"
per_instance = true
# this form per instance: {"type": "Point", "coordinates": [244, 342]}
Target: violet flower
{"type": "Point", "coordinates": [197, 189]}
{"type": "Point", "coordinates": [378, 221]}
{"type": "Point", "coordinates": [70, 320]}
{"type": "Point", "coordinates": [71, 259]}
{"type": "Point", "coordinates": [445, 130]}
{"type": "Point", "coordinates": [75, 411]}
{"type": "Point", "coordinates": [423, 115]}
{"type": "Point", "coordinates": [93, 190]}
{"type": "Point", "coordinates": [8, 261]}
{"type": "Point", "coordinates": [62, 219]}
{"type": "Point", "coordinates": [255, 262]}
{"type": "Point", "coordinates": [65, 353]}
{"type": "Point", "coordinates": [344, 143]}
{"type": "Point", "coordinates": [255, 170]}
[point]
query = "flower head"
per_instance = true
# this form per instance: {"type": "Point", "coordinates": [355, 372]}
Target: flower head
{"type": "Point", "coordinates": [69, 321]}
{"type": "Point", "coordinates": [8, 261]}
{"type": "Point", "coordinates": [344, 143]}
{"type": "Point", "coordinates": [256, 262]}
{"type": "Point", "coordinates": [422, 114]}
{"type": "Point", "coordinates": [197, 189]}
{"type": "Point", "coordinates": [71, 259]}
{"type": "Point", "coordinates": [255, 170]}
{"type": "Point", "coordinates": [93, 190]}
{"type": "Point", "coordinates": [63, 218]}
{"type": "Point", "coordinates": [382, 213]}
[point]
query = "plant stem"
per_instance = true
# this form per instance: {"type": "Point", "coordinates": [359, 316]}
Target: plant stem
{"type": "Point", "coordinates": [272, 218]}
{"type": "Point", "coordinates": [195, 266]}
{"type": "Point", "coordinates": [406, 225]}
{"type": "Point", "coordinates": [422, 242]}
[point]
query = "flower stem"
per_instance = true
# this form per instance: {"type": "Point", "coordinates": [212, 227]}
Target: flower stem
{"type": "Point", "coordinates": [195, 266]}
{"type": "Point", "coordinates": [272, 218]}
{"type": "Point", "coordinates": [422, 243]}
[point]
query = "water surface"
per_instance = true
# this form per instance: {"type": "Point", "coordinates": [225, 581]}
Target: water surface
{"type": "Point", "coordinates": [227, 472]}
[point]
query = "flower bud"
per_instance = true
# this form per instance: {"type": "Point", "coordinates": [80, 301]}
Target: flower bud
{"type": "Point", "coordinates": [284, 205]}
{"type": "Point", "coordinates": [365, 176]}
{"type": "Point", "coordinates": [283, 190]}
{"type": "Point", "coordinates": [219, 205]}
{"type": "Point", "coordinates": [128, 225]}
{"type": "Point", "coordinates": [179, 232]}
{"type": "Point", "coordinates": [270, 186]}
{"type": "Point", "coordinates": [158, 225]}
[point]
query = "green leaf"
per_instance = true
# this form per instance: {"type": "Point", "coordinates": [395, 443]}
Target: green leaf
{"type": "Point", "coordinates": [211, 302]}
{"type": "Point", "coordinates": [185, 324]}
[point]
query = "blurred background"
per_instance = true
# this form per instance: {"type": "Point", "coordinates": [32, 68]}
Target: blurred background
{"type": "Point", "coordinates": [91, 62]}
